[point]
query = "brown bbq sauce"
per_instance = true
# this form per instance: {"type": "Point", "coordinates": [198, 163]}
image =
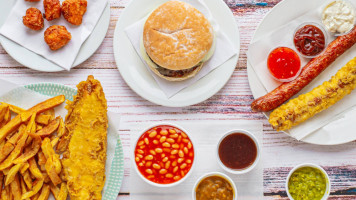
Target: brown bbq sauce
{"type": "Point", "coordinates": [237, 151]}
{"type": "Point", "coordinates": [309, 40]}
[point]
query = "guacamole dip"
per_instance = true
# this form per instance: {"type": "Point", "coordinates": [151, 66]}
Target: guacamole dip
{"type": "Point", "coordinates": [307, 183]}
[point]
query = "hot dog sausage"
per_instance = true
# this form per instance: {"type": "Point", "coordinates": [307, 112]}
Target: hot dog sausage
{"type": "Point", "coordinates": [315, 66]}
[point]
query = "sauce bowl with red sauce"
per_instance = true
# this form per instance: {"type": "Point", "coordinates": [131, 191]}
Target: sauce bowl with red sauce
{"type": "Point", "coordinates": [164, 155]}
{"type": "Point", "coordinates": [284, 64]}
{"type": "Point", "coordinates": [238, 151]}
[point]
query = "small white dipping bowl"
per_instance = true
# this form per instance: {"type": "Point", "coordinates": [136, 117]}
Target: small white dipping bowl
{"type": "Point", "coordinates": [249, 168]}
{"type": "Point", "coordinates": [327, 191]}
{"type": "Point", "coordinates": [215, 174]}
{"type": "Point", "coordinates": [158, 184]}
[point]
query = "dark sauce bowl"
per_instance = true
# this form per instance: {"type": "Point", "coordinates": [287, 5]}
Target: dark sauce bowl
{"type": "Point", "coordinates": [238, 151]}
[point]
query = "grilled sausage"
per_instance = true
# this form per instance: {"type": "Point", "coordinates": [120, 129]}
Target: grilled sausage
{"type": "Point", "coordinates": [315, 66]}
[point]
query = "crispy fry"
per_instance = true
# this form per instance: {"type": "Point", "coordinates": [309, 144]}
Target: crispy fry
{"type": "Point", "coordinates": [24, 167]}
{"type": "Point", "coordinates": [50, 128]}
{"type": "Point", "coordinates": [14, 108]}
{"type": "Point", "coordinates": [1, 182]}
{"type": "Point", "coordinates": [11, 175]}
{"type": "Point", "coordinates": [23, 187]}
{"type": "Point", "coordinates": [34, 169]}
{"type": "Point", "coordinates": [55, 190]}
{"type": "Point", "coordinates": [24, 116]}
{"type": "Point", "coordinates": [43, 119]}
{"type": "Point", "coordinates": [44, 192]}
{"type": "Point", "coordinates": [36, 145]}
{"type": "Point", "coordinates": [2, 144]}
{"type": "Point", "coordinates": [10, 144]}
{"type": "Point", "coordinates": [6, 170]}
{"type": "Point", "coordinates": [63, 193]}
{"type": "Point", "coordinates": [6, 118]}
{"type": "Point", "coordinates": [51, 113]}
{"type": "Point", "coordinates": [35, 197]}
{"type": "Point", "coordinates": [51, 171]}
{"type": "Point", "coordinates": [15, 153]}
{"type": "Point", "coordinates": [3, 111]}
{"type": "Point", "coordinates": [54, 141]}
{"type": "Point", "coordinates": [16, 188]}
{"type": "Point", "coordinates": [5, 194]}
{"type": "Point", "coordinates": [6, 150]}
{"type": "Point", "coordinates": [61, 128]}
{"type": "Point", "coordinates": [27, 179]}
{"type": "Point", "coordinates": [41, 158]}
{"type": "Point", "coordinates": [35, 189]}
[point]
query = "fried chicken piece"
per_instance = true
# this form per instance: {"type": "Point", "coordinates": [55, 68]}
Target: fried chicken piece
{"type": "Point", "coordinates": [86, 130]}
{"type": "Point", "coordinates": [33, 19]}
{"type": "Point", "coordinates": [52, 9]}
{"type": "Point", "coordinates": [57, 36]}
{"type": "Point", "coordinates": [73, 10]}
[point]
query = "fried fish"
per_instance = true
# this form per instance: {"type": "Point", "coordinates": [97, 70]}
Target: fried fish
{"type": "Point", "coordinates": [85, 141]}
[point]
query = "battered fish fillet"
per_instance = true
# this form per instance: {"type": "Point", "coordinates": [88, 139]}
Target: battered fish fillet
{"type": "Point", "coordinates": [320, 98]}
{"type": "Point", "coordinates": [86, 128]}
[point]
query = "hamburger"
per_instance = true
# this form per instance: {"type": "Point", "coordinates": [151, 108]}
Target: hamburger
{"type": "Point", "coordinates": [177, 40]}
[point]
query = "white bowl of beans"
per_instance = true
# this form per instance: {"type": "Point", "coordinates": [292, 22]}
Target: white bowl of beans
{"type": "Point", "coordinates": [164, 155]}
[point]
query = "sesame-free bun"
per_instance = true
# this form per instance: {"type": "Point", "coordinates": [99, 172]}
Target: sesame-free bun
{"type": "Point", "coordinates": [177, 36]}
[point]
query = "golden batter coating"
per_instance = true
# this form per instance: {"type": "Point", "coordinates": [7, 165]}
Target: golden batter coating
{"type": "Point", "coordinates": [52, 9]}
{"type": "Point", "coordinates": [33, 19]}
{"type": "Point", "coordinates": [86, 130]}
{"type": "Point", "coordinates": [57, 36]}
{"type": "Point", "coordinates": [320, 98]}
{"type": "Point", "coordinates": [73, 10]}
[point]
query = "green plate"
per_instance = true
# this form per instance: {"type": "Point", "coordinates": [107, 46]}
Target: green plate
{"type": "Point", "coordinates": [117, 168]}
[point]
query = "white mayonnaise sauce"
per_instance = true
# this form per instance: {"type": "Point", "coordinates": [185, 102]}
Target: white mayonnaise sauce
{"type": "Point", "coordinates": [339, 17]}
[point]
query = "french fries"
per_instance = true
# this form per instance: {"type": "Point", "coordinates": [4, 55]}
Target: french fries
{"type": "Point", "coordinates": [30, 169]}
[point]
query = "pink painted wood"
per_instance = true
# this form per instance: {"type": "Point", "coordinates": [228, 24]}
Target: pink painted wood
{"type": "Point", "coordinates": [232, 102]}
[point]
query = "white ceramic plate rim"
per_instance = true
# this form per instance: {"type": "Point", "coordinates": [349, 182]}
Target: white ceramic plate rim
{"type": "Point", "coordinates": [188, 96]}
{"type": "Point", "coordinates": [36, 62]}
{"type": "Point", "coordinates": [256, 86]}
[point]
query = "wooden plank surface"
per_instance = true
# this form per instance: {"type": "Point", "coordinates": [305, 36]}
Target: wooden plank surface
{"type": "Point", "coordinates": [232, 102]}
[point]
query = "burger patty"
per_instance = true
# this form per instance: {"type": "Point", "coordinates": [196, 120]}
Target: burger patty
{"type": "Point", "coordinates": [175, 73]}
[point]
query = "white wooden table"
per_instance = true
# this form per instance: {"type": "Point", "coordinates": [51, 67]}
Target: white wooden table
{"type": "Point", "coordinates": [232, 102]}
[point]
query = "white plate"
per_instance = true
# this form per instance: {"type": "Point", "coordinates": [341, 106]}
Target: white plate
{"type": "Point", "coordinates": [139, 78]}
{"type": "Point", "coordinates": [37, 62]}
{"type": "Point", "coordinates": [272, 21]}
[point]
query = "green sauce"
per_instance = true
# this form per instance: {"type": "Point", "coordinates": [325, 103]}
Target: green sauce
{"type": "Point", "coordinates": [307, 183]}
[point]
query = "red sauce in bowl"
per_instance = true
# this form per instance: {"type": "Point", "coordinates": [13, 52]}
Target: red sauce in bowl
{"type": "Point", "coordinates": [164, 154]}
{"type": "Point", "coordinates": [309, 40]}
{"type": "Point", "coordinates": [237, 151]}
{"type": "Point", "coordinates": [284, 64]}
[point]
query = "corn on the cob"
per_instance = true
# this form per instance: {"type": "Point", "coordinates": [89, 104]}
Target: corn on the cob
{"type": "Point", "coordinates": [320, 98]}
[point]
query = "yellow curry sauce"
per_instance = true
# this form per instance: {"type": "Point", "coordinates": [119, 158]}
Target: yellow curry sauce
{"type": "Point", "coordinates": [214, 188]}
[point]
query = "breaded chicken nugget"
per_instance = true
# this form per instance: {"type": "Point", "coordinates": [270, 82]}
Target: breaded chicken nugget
{"type": "Point", "coordinates": [52, 9]}
{"type": "Point", "coordinates": [73, 10]}
{"type": "Point", "coordinates": [57, 36]}
{"type": "Point", "coordinates": [33, 19]}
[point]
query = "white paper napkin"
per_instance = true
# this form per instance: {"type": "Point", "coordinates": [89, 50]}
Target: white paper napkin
{"type": "Point", "coordinates": [257, 56]}
{"type": "Point", "coordinates": [223, 52]}
{"type": "Point", "coordinates": [205, 136]}
{"type": "Point", "coordinates": [14, 29]}
{"type": "Point", "coordinates": [26, 98]}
